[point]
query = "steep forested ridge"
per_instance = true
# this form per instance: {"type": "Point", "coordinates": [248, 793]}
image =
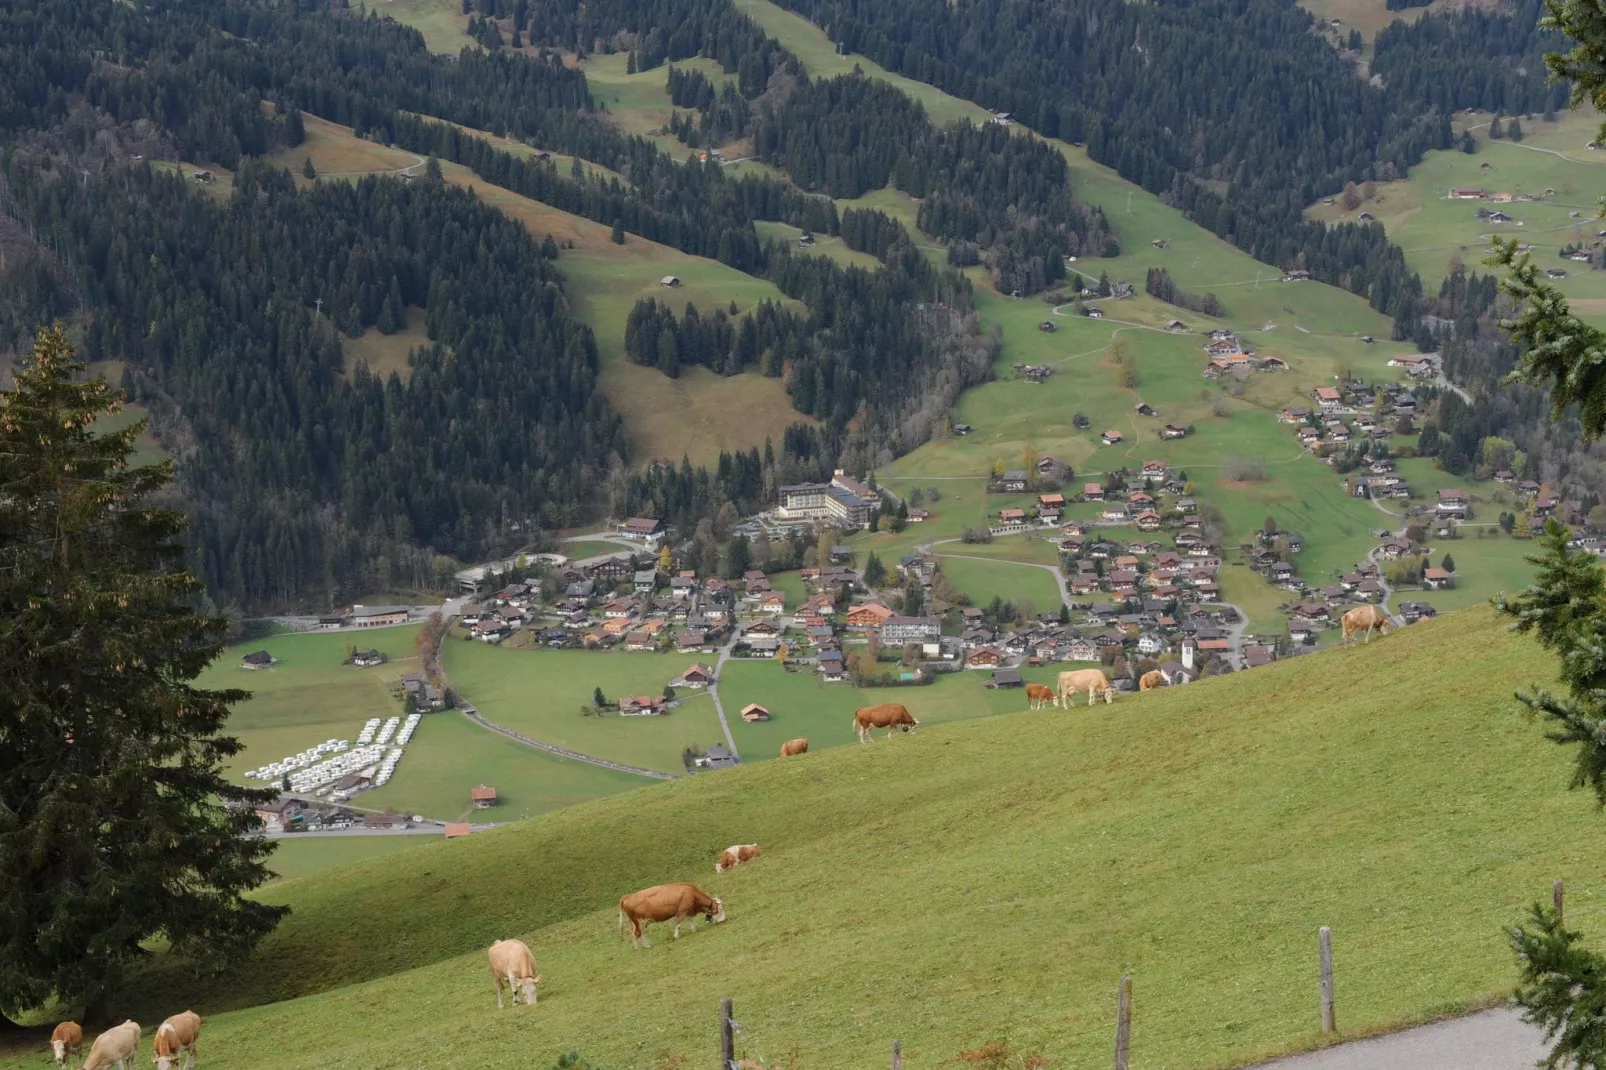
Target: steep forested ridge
{"type": "Point", "coordinates": [302, 482]}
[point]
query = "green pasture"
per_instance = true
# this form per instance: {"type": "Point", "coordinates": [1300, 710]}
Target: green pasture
{"type": "Point", "coordinates": [803, 705]}
{"type": "Point", "coordinates": [450, 754]}
{"type": "Point", "coordinates": [540, 693]}
{"type": "Point", "coordinates": [579, 551]}
{"type": "Point", "coordinates": [833, 248]}
{"type": "Point", "coordinates": [301, 856]}
{"type": "Point", "coordinates": [310, 695]}
{"type": "Point", "coordinates": [1193, 838]}
{"type": "Point", "coordinates": [984, 580]}
{"type": "Point", "coordinates": [442, 23]}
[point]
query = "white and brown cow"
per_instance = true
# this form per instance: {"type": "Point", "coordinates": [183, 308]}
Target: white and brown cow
{"type": "Point", "coordinates": [66, 1039]}
{"type": "Point", "coordinates": [1038, 696]}
{"type": "Point", "coordinates": [1150, 680]}
{"type": "Point", "coordinates": [735, 855]}
{"type": "Point", "coordinates": [793, 747]}
{"type": "Point", "coordinates": [682, 902]}
{"type": "Point", "coordinates": [175, 1041]}
{"type": "Point", "coordinates": [889, 715]}
{"type": "Point", "coordinates": [1364, 619]}
{"type": "Point", "coordinates": [1093, 681]}
{"type": "Point", "coordinates": [513, 966]}
{"type": "Point", "coordinates": [118, 1046]}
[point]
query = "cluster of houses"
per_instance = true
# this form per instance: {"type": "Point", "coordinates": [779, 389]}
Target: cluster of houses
{"type": "Point", "coordinates": [1226, 352]}
{"type": "Point", "coordinates": [1158, 493]}
{"type": "Point", "coordinates": [1349, 412]}
{"type": "Point", "coordinates": [612, 605]}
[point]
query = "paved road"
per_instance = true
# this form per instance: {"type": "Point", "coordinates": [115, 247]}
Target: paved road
{"type": "Point", "coordinates": [713, 692]}
{"type": "Point", "coordinates": [1491, 1040]}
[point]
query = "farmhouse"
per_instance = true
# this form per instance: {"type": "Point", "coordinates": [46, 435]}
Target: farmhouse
{"type": "Point", "coordinates": [1173, 431]}
{"type": "Point", "coordinates": [1092, 492]}
{"type": "Point", "coordinates": [1013, 481]}
{"type": "Point", "coordinates": [1111, 437]}
{"type": "Point", "coordinates": [642, 706]}
{"type": "Point", "coordinates": [366, 658]}
{"type": "Point", "coordinates": [1467, 193]}
{"type": "Point", "coordinates": [1437, 579]}
{"type": "Point", "coordinates": [1452, 501]}
{"type": "Point", "coordinates": [1328, 398]}
{"type": "Point", "coordinates": [482, 797]}
{"type": "Point", "coordinates": [697, 675]}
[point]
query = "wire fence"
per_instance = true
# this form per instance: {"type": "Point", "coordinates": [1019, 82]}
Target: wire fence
{"type": "Point", "coordinates": [1120, 1033]}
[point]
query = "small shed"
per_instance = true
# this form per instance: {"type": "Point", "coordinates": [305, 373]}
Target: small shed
{"type": "Point", "coordinates": [669, 280]}
{"type": "Point", "coordinates": [457, 829]}
{"type": "Point", "coordinates": [753, 713]}
{"type": "Point", "coordinates": [483, 797]}
{"type": "Point", "coordinates": [1008, 678]}
{"type": "Point", "coordinates": [257, 659]}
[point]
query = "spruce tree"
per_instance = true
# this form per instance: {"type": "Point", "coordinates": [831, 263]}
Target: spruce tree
{"type": "Point", "coordinates": [308, 171]}
{"type": "Point", "coordinates": [117, 825]}
{"type": "Point", "coordinates": [618, 235]}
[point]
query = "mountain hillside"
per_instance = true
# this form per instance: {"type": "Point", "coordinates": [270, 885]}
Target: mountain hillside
{"type": "Point", "coordinates": [976, 881]}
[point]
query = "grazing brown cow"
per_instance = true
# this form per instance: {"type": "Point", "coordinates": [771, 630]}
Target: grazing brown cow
{"type": "Point", "coordinates": [1073, 682]}
{"type": "Point", "coordinates": [117, 1047]}
{"type": "Point", "coordinates": [66, 1039]}
{"type": "Point", "coordinates": [512, 965]}
{"type": "Point", "coordinates": [1038, 696]}
{"type": "Point", "coordinates": [175, 1041]}
{"type": "Point", "coordinates": [1150, 680]}
{"type": "Point", "coordinates": [735, 855]}
{"type": "Point", "coordinates": [1364, 619]}
{"type": "Point", "coordinates": [664, 901]}
{"type": "Point", "coordinates": [794, 746]}
{"type": "Point", "coordinates": [889, 715]}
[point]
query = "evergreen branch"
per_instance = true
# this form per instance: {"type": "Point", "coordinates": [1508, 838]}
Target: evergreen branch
{"type": "Point", "coordinates": [1562, 990]}
{"type": "Point", "coordinates": [1561, 351]}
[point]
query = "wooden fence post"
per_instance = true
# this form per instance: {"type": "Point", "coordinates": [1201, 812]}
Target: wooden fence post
{"type": "Point", "coordinates": [1555, 895]}
{"type": "Point", "coordinates": [727, 1036]}
{"type": "Point", "coordinates": [1123, 1025]}
{"type": "Point", "coordinates": [897, 1056]}
{"type": "Point", "coordinates": [1329, 1020]}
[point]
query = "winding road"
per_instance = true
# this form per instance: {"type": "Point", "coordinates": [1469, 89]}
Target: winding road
{"type": "Point", "coordinates": [713, 693]}
{"type": "Point", "coordinates": [563, 752]}
{"type": "Point", "coordinates": [1489, 1040]}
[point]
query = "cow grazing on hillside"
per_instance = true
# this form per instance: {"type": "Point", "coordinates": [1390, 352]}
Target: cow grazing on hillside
{"type": "Point", "coordinates": [1074, 682]}
{"type": "Point", "coordinates": [117, 1047]}
{"type": "Point", "coordinates": [794, 746]}
{"type": "Point", "coordinates": [513, 966]}
{"type": "Point", "coordinates": [889, 715]}
{"type": "Point", "coordinates": [735, 855]}
{"type": "Point", "coordinates": [66, 1039]}
{"type": "Point", "coordinates": [1364, 619]}
{"type": "Point", "coordinates": [175, 1041]}
{"type": "Point", "coordinates": [1150, 680]}
{"type": "Point", "coordinates": [664, 901]}
{"type": "Point", "coordinates": [1038, 696]}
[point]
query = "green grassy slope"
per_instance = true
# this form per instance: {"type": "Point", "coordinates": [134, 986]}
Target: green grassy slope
{"type": "Point", "coordinates": [984, 879]}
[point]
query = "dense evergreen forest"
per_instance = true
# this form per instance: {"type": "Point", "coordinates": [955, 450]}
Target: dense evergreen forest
{"type": "Point", "coordinates": [1472, 58]}
{"type": "Point", "coordinates": [307, 479]}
